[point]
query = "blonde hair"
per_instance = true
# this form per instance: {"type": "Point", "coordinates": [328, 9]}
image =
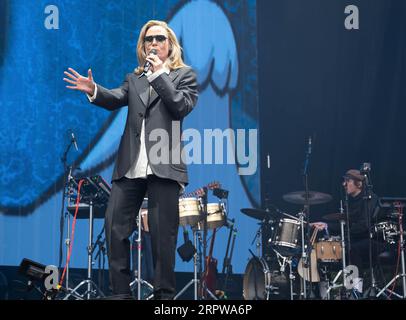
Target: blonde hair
{"type": "Point", "coordinates": [174, 60]}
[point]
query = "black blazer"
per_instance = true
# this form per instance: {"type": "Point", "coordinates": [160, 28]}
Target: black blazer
{"type": "Point", "coordinates": [174, 97]}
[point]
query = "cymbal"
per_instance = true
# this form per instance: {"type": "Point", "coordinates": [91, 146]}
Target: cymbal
{"type": "Point", "coordinates": [299, 197]}
{"type": "Point", "coordinates": [259, 214]}
{"type": "Point", "coordinates": [335, 217]}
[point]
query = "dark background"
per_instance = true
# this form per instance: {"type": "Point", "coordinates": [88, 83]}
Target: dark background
{"type": "Point", "coordinates": [346, 88]}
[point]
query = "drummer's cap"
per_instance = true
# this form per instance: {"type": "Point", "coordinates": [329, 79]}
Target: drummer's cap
{"type": "Point", "coordinates": [354, 175]}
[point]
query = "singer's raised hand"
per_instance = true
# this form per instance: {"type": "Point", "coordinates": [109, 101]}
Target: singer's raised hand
{"type": "Point", "coordinates": [79, 82]}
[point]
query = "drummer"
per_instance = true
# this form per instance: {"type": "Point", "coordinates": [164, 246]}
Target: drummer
{"type": "Point", "coordinates": [358, 249]}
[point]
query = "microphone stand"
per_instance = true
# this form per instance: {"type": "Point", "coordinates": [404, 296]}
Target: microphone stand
{"type": "Point", "coordinates": [367, 203]}
{"type": "Point", "coordinates": [306, 247]}
{"type": "Point", "coordinates": [347, 213]}
{"type": "Point", "coordinates": [67, 170]}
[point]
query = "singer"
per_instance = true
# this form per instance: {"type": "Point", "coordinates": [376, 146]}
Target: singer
{"type": "Point", "coordinates": [162, 89]}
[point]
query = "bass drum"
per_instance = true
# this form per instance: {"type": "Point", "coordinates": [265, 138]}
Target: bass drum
{"type": "Point", "coordinates": [261, 283]}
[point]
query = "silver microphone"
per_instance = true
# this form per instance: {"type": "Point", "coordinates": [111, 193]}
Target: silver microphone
{"type": "Point", "coordinates": [147, 64]}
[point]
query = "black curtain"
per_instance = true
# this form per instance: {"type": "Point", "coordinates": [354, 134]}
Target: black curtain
{"type": "Point", "coordinates": [345, 88]}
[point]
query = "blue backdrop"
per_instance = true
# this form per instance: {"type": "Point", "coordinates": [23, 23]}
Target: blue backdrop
{"type": "Point", "coordinates": [219, 41]}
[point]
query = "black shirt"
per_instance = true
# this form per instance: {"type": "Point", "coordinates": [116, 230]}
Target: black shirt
{"type": "Point", "coordinates": [358, 210]}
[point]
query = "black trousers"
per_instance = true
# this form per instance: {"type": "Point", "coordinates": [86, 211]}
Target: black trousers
{"type": "Point", "coordinates": [163, 221]}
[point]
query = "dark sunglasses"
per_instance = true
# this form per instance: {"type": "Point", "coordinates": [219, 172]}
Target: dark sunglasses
{"type": "Point", "coordinates": [158, 38]}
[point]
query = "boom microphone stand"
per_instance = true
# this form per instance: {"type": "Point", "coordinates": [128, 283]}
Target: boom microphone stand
{"type": "Point", "coordinates": [365, 171]}
{"type": "Point", "coordinates": [66, 173]}
{"type": "Point", "coordinates": [67, 176]}
{"type": "Point", "coordinates": [306, 252]}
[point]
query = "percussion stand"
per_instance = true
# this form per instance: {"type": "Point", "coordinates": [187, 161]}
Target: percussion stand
{"type": "Point", "coordinates": [204, 204]}
{"type": "Point", "coordinates": [195, 281]}
{"type": "Point", "coordinates": [138, 280]}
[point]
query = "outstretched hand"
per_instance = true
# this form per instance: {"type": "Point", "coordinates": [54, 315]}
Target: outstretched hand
{"type": "Point", "coordinates": [79, 82]}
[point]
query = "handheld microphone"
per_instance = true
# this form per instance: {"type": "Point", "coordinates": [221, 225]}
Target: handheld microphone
{"type": "Point", "coordinates": [147, 64]}
{"type": "Point", "coordinates": [74, 141]}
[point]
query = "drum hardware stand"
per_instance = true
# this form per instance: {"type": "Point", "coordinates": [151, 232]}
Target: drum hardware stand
{"type": "Point", "coordinates": [196, 265]}
{"type": "Point", "coordinates": [92, 288]}
{"type": "Point", "coordinates": [227, 266]}
{"type": "Point", "coordinates": [138, 280]}
{"type": "Point", "coordinates": [286, 260]}
{"type": "Point", "coordinates": [257, 238]}
{"type": "Point", "coordinates": [402, 257]}
{"type": "Point", "coordinates": [204, 204]}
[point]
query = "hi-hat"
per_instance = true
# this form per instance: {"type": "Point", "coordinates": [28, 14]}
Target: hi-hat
{"type": "Point", "coordinates": [299, 197]}
{"type": "Point", "coordinates": [335, 217]}
{"type": "Point", "coordinates": [260, 214]}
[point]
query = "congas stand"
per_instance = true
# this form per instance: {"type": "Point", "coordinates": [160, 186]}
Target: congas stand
{"type": "Point", "coordinates": [190, 212]}
{"type": "Point", "coordinates": [195, 281]}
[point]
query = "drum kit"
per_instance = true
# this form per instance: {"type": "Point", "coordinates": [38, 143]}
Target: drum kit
{"type": "Point", "coordinates": [273, 274]}
{"type": "Point", "coordinates": [316, 260]}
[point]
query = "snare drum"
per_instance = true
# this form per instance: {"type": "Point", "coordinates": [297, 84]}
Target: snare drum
{"type": "Point", "coordinates": [286, 237]}
{"type": "Point", "coordinates": [329, 250]}
{"type": "Point", "coordinates": [190, 211]}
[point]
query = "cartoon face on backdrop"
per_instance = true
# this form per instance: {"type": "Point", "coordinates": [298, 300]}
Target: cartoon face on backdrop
{"type": "Point", "coordinates": [199, 25]}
